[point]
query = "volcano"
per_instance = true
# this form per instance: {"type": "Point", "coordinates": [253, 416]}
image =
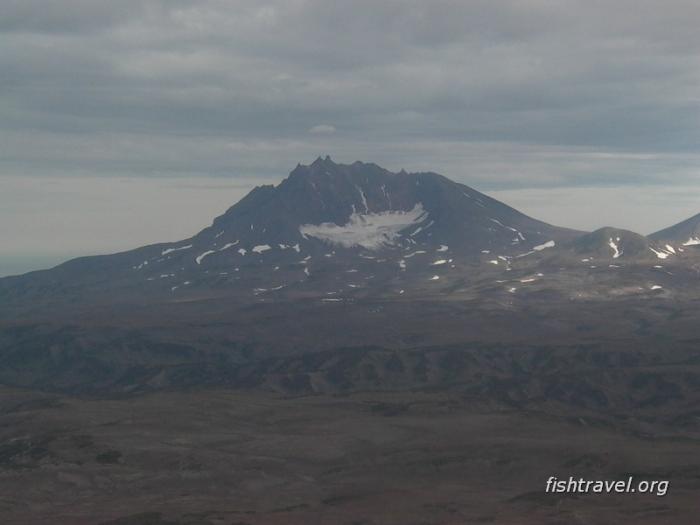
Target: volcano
{"type": "Point", "coordinates": [324, 219]}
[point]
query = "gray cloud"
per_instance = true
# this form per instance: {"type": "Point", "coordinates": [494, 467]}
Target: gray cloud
{"type": "Point", "coordinates": [322, 129]}
{"type": "Point", "coordinates": [513, 94]}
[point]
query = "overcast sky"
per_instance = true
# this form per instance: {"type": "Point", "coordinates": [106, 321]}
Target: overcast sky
{"type": "Point", "coordinates": [125, 122]}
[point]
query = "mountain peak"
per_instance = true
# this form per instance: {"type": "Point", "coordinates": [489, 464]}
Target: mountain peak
{"type": "Point", "coordinates": [686, 232]}
{"type": "Point", "coordinates": [323, 162]}
{"type": "Point", "coordinates": [614, 243]}
{"type": "Point", "coordinates": [355, 223]}
{"type": "Point", "coordinates": [326, 205]}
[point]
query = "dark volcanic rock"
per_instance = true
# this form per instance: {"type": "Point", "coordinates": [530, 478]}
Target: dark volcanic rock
{"type": "Point", "coordinates": [686, 232]}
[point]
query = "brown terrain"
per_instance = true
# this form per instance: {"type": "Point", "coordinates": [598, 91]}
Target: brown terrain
{"type": "Point", "coordinates": [242, 457]}
{"type": "Point", "coordinates": [354, 347]}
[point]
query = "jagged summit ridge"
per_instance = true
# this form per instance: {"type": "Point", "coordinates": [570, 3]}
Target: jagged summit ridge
{"type": "Point", "coordinates": [362, 205]}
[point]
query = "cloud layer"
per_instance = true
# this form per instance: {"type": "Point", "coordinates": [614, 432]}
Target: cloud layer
{"type": "Point", "coordinates": [512, 94]}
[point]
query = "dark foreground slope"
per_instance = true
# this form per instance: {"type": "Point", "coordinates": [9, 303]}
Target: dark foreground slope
{"type": "Point", "coordinates": [454, 456]}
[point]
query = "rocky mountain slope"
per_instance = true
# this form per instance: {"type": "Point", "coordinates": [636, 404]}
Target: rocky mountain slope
{"type": "Point", "coordinates": [324, 220]}
{"type": "Point", "coordinates": [338, 257]}
{"type": "Point", "coordinates": [686, 233]}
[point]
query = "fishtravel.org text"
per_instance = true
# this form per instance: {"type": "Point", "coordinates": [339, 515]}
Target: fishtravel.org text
{"type": "Point", "coordinates": [628, 486]}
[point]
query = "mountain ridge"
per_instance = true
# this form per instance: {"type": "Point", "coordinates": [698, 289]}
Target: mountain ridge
{"type": "Point", "coordinates": [344, 231]}
{"type": "Point", "coordinates": [686, 232]}
{"type": "Point", "coordinates": [325, 192]}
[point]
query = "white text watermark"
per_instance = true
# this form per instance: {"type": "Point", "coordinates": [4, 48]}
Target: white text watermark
{"type": "Point", "coordinates": [628, 486]}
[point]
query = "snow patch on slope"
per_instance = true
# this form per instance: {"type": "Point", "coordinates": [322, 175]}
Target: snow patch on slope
{"type": "Point", "coordinates": [660, 254]}
{"type": "Point", "coordinates": [171, 250]}
{"type": "Point", "coordinates": [540, 247]}
{"type": "Point", "coordinates": [364, 198]}
{"type": "Point", "coordinates": [370, 230]}
{"type": "Point", "coordinates": [226, 246]}
{"type": "Point", "coordinates": [260, 248]}
{"type": "Point", "coordinates": [616, 250]}
{"type": "Point", "coordinates": [201, 257]}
